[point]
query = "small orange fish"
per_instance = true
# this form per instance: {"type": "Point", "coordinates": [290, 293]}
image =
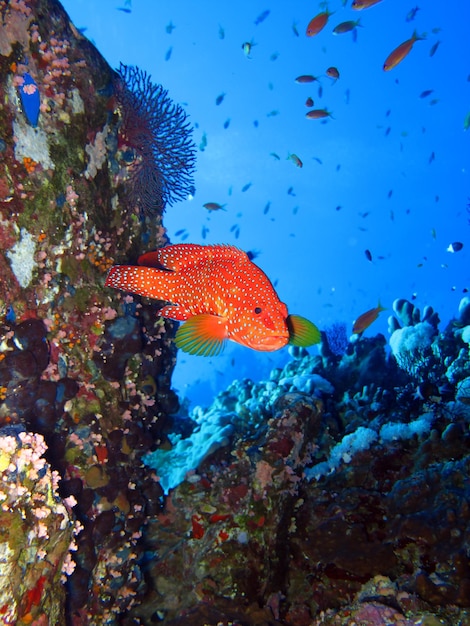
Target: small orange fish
{"type": "Point", "coordinates": [366, 319]}
{"type": "Point", "coordinates": [397, 55]}
{"type": "Point", "coordinates": [220, 292]}
{"type": "Point", "coordinates": [363, 4]}
{"type": "Point", "coordinates": [346, 27]}
{"type": "Point", "coordinates": [305, 78]}
{"type": "Point", "coordinates": [213, 206]}
{"type": "Point", "coordinates": [317, 114]}
{"type": "Point", "coordinates": [318, 23]}
{"type": "Point", "coordinates": [332, 72]}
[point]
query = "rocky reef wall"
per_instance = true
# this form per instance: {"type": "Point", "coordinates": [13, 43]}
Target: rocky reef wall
{"type": "Point", "coordinates": [82, 369]}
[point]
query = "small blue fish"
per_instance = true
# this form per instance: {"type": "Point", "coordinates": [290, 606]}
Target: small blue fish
{"type": "Point", "coordinates": [203, 144]}
{"type": "Point", "coordinates": [246, 187]}
{"type": "Point", "coordinates": [262, 16]}
{"type": "Point", "coordinates": [412, 14]}
{"type": "Point", "coordinates": [434, 48]}
{"type": "Point", "coordinates": [30, 99]}
{"type": "Point", "coordinates": [168, 53]}
{"type": "Point", "coordinates": [219, 99]}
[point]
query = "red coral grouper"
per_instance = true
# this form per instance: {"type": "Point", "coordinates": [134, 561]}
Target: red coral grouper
{"type": "Point", "coordinates": [221, 294]}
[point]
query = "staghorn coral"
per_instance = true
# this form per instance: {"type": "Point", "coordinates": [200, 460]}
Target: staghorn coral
{"type": "Point", "coordinates": [158, 137]}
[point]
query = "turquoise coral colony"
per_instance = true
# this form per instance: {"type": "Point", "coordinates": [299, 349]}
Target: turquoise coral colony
{"type": "Point", "coordinates": [335, 492]}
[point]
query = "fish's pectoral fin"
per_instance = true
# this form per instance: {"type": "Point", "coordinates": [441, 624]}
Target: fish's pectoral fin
{"type": "Point", "coordinates": [174, 312]}
{"type": "Point", "coordinates": [203, 335]}
{"type": "Point", "coordinates": [302, 332]}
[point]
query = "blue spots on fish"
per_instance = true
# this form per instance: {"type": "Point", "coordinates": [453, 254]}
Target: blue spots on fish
{"type": "Point", "coordinates": [30, 99]}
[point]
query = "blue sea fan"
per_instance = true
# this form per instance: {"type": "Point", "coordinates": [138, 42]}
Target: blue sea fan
{"type": "Point", "coordinates": [161, 137]}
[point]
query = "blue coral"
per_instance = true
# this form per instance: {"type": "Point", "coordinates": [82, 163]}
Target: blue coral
{"type": "Point", "coordinates": [30, 99]}
{"type": "Point", "coordinates": [161, 137]}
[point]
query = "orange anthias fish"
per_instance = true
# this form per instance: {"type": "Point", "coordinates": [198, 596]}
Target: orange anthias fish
{"type": "Point", "coordinates": [317, 23]}
{"type": "Point", "coordinates": [363, 4]}
{"type": "Point", "coordinates": [397, 56]}
{"type": "Point", "coordinates": [220, 294]}
{"type": "Point", "coordinates": [214, 206]}
{"type": "Point", "coordinates": [366, 319]}
{"type": "Point", "coordinates": [317, 114]}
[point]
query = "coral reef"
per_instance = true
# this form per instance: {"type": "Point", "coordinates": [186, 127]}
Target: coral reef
{"type": "Point", "coordinates": [336, 492]}
{"type": "Point", "coordinates": [36, 533]}
{"type": "Point", "coordinates": [341, 497]}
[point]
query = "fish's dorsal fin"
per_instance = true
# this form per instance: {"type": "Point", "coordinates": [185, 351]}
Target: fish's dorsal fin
{"type": "Point", "coordinates": [202, 335]}
{"type": "Point", "coordinates": [181, 255]}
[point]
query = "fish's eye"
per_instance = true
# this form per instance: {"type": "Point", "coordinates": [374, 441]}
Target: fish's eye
{"type": "Point", "coordinates": [258, 310]}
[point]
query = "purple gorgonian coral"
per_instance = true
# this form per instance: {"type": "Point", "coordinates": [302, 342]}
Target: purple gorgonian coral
{"type": "Point", "coordinates": [160, 150]}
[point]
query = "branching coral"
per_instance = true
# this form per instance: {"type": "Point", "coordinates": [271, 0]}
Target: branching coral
{"type": "Point", "coordinates": [157, 132]}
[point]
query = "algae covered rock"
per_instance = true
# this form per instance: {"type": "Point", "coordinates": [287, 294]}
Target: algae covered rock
{"type": "Point", "coordinates": [88, 369]}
